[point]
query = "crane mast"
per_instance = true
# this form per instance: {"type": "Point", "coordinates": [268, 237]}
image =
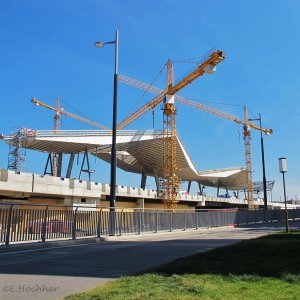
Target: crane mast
{"type": "Point", "coordinates": [248, 159]}
{"type": "Point", "coordinates": [56, 128]}
{"type": "Point", "coordinates": [57, 115]}
{"type": "Point", "coordinates": [170, 180]}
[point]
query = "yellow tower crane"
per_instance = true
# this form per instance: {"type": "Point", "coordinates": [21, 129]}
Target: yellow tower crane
{"type": "Point", "coordinates": [58, 112]}
{"type": "Point", "coordinates": [246, 126]}
{"type": "Point", "coordinates": [169, 183]}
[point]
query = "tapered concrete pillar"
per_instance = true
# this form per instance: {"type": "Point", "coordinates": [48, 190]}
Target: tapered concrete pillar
{"type": "Point", "coordinates": [70, 165]}
{"type": "Point", "coordinates": [227, 193]}
{"type": "Point", "coordinates": [201, 187]}
{"type": "Point", "coordinates": [143, 180]}
{"type": "Point", "coordinates": [59, 164]}
{"type": "Point", "coordinates": [157, 184]}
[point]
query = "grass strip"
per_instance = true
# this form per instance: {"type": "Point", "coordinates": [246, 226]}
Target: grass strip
{"type": "Point", "coordinates": [262, 268]}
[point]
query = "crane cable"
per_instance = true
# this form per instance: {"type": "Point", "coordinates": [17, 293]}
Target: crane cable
{"type": "Point", "coordinates": [146, 91]}
{"type": "Point", "coordinates": [75, 109]}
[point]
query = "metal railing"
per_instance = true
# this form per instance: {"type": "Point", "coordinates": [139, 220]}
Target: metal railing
{"type": "Point", "coordinates": [20, 223]}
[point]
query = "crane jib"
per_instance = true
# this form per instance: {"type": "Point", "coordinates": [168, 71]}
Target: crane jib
{"type": "Point", "coordinates": [213, 59]}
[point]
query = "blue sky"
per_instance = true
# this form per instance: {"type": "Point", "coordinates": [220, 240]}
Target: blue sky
{"type": "Point", "coordinates": [47, 51]}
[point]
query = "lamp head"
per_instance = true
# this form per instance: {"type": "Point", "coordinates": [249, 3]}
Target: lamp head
{"type": "Point", "coordinates": [282, 165]}
{"type": "Point", "coordinates": [99, 44]}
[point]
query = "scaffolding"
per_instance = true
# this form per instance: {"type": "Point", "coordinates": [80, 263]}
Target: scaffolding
{"type": "Point", "coordinates": [17, 150]}
{"type": "Point", "coordinates": [258, 187]}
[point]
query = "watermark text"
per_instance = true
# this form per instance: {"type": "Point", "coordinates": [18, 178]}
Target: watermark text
{"type": "Point", "coordinates": [25, 288]}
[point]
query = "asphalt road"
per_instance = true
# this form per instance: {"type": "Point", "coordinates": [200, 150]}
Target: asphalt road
{"type": "Point", "coordinates": [55, 269]}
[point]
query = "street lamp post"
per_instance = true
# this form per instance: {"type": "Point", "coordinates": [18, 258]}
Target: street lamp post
{"type": "Point", "coordinates": [263, 163]}
{"type": "Point", "coordinates": [114, 124]}
{"type": "Point", "coordinates": [283, 169]}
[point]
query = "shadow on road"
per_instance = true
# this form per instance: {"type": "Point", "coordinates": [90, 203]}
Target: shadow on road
{"type": "Point", "coordinates": [115, 258]}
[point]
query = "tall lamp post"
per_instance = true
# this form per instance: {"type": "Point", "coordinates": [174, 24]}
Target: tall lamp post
{"type": "Point", "coordinates": [263, 163]}
{"type": "Point", "coordinates": [283, 169]}
{"type": "Point", "coordinates": [114, 125]}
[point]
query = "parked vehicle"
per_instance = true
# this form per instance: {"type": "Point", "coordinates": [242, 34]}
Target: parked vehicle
{"type": "Point", "coordinates": [52, 226]}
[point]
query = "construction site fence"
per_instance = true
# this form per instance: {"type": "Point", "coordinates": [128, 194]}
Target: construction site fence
{"type": "Point", "coordinates": [22, 223]}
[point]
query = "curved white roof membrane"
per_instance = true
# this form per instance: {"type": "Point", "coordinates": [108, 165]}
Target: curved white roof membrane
{"type": "Point", "coordinates": [137, 151]}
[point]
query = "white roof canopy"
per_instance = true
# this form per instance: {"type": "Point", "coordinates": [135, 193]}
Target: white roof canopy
{"type": "Point", "coordinates": [138, 151]}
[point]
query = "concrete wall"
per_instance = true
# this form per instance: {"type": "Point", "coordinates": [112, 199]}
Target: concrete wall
{"type": "Point", "coordinates": [12, 181]}
{"type": "Point", "coordinates": [91, 194]}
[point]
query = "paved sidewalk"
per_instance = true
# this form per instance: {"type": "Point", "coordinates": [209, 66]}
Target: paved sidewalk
{"type": "Point", "coordinates": [54, 270]}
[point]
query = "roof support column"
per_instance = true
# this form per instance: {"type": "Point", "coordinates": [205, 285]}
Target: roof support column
{"type": "Point", "coordinates": [88, 170]}
{"type": "Point", "coordinates": [157, 184]}
{"type": "Point", "coordinates": [48, 163]}
{"type": "Point", "coordinates": [143, 180]}
{"type": "Point", "coordinates": [70, 165]}
{"type": "Point", "coordinates": [59, 164]}
{"type": "Point", "coordinates": [200, 188]}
